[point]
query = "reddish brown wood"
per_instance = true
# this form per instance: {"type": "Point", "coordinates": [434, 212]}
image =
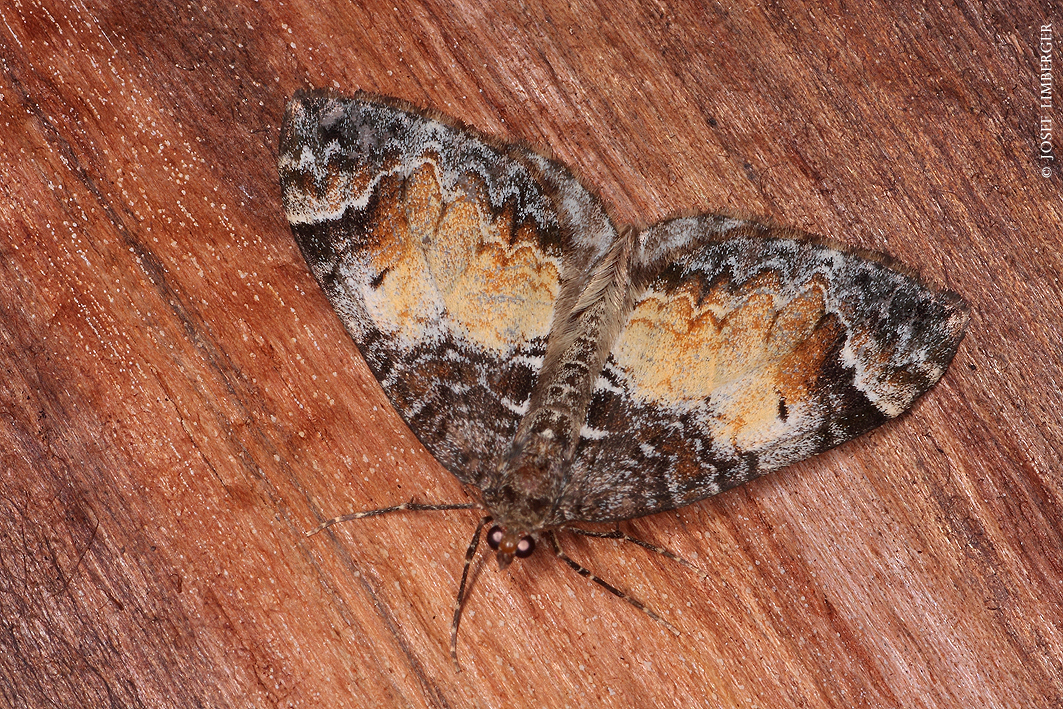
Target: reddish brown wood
{"type": "Point", "coordinates": [180, 404]}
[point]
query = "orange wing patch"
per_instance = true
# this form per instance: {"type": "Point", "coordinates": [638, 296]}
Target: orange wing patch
{"type": "Point", "coordinates": [754, 360]}
{"type": "Point", "coordinates": [455, 258]}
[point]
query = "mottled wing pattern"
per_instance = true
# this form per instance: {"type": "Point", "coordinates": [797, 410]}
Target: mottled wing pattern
{"type": "Point", "coordinates": [447, 256]}
{"type": "Point", "coordinates": [749, 349]}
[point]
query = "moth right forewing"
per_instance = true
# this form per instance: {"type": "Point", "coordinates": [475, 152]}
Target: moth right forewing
{"type": "Point", "coordinates": [748, 349]}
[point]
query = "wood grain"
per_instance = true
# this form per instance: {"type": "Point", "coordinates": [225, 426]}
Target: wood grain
{"type": "Point", "coordinates": [180, 404]}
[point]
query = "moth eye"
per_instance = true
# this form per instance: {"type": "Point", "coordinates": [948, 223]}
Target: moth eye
{"type": "Point", "coordinates": [525, 547]}
{"type": "Point", "coordinates": [494, 537]}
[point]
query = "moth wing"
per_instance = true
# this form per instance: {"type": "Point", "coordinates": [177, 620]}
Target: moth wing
{"type": "Point", "coordinates": [748, 349]}
{"type": "Point", "coordinates": [447, 256]}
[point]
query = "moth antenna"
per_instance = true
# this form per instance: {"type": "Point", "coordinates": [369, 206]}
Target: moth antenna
{"type": "Point", "coordinates": [404, 507]}
{"type": "Point", "coordinates": [585, 573]}
{"type": "Point", "coordinates": [459, 600]}
{"type": "Point", "coordinates": [618, 534]}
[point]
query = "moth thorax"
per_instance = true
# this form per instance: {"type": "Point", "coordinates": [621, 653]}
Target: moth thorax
{"type": "Point", "coordinates": [524, 494]}
{"type": "Point", "coordinates": [518, 507]}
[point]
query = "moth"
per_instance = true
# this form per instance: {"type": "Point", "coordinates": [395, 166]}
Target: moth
{"type": "Point", "coordinates": [566, 369]}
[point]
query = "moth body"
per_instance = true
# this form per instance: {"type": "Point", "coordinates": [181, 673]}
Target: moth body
{"type": "Point", "coordinates": [568, 370]}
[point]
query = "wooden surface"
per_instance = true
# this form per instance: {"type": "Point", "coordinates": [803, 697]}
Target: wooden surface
{"type": "Point", "coordinates": [179, 403]}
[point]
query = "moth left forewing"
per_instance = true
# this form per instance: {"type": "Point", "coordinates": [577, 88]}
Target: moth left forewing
{"type": "Point", "coordinates": [749, 349]}
{"type": "Point", "coordinates": [446, 254]}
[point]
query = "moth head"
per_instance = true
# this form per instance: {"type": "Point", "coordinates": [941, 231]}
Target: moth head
{"type": "Point", "coordinates": [508, 544]}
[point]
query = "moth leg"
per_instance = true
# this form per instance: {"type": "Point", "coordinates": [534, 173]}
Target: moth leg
{"type": "Point", "coordinates": [459, 600]}
{"type": "Point", "coordinates": [404, 507]}
{"type": "Point", "coordinates": [585, 573]}
{"type": "Point", "coordinates": [618, 534]}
